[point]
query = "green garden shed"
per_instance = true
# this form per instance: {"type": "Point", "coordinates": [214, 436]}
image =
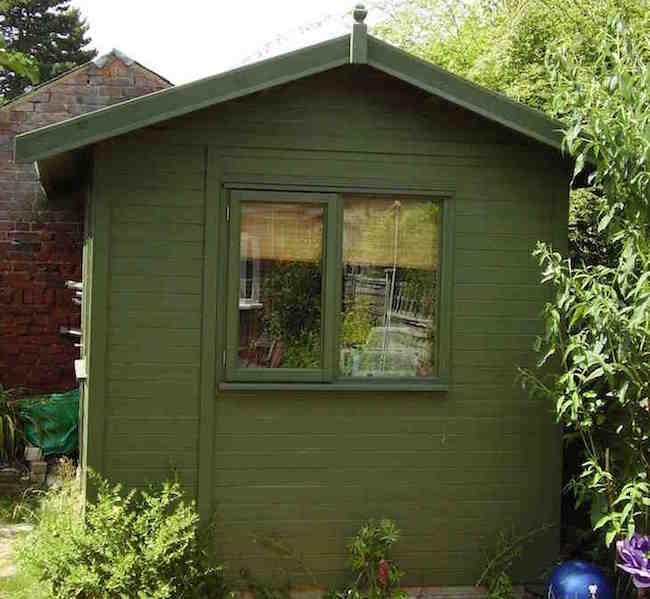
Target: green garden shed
{"type": "Point", "coordinates": [308, 285]}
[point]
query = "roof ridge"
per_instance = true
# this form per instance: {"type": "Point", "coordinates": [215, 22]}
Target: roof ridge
{"type": "Point", "coordinates": [100, 61]}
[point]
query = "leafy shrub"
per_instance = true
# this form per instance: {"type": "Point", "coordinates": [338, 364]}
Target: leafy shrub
{"type": "Point", "coordinates": [140, 544]}
{"type": "Point", "coordinates": [501, 559]}
{"type": "Point", "coordinates": [303, 351]}
{"type": "Point", "coordinates": [376, 576]}
{"type": "Point", "coordinates": [292, 299]}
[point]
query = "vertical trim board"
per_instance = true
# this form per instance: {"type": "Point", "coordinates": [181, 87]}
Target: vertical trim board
{"type": "Point", "coordinates": [98, 318]}
{"type": "Point", "coordinates": [208, 337]}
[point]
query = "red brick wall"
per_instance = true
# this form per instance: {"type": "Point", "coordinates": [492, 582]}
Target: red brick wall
{"type": "Point", "coordinates": [41, 239]}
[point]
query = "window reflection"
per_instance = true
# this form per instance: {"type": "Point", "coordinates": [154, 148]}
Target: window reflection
{"type": "Point", "coordinates": [390, 279]}
{"type": "Point", "coordinates": [280, 285]}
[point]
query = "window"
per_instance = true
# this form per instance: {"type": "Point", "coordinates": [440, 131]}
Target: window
{"type": "Point", "coordinates": [333, 288]}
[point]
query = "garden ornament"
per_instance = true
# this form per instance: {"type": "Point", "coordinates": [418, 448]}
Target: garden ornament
{"type": "Point", "coordinates": [578, 580]}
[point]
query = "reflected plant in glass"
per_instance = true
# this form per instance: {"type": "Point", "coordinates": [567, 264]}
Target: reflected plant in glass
{"type": "Point", "coordinates": [280, 285]}
{"type": "Point", "coordinates": [292, 310]}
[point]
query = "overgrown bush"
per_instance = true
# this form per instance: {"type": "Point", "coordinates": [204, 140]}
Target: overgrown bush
{"type": "Point", "coordinates": [292, 299]}
{"type": "Point", "coordinates": [140, 544]}
{"type": "Point", "coordinates": [597, 334]}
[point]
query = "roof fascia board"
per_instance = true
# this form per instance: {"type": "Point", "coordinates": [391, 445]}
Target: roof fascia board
{"type": "Point", "coordinates": [176, 101]}
{"type": "Point", "coordinates": [439, 82]}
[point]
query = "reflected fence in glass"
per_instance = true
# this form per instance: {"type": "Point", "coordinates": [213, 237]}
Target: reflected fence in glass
{"type": "Point", "coordinates": [390, 287]}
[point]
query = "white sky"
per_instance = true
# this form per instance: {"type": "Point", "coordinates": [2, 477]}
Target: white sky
{"type": "Point", "coordinates": [184, 41]}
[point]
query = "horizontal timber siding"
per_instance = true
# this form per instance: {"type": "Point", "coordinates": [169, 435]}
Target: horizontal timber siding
{"type": "Point", "coordinates": [452, 468]}
{"type": "Point", "coordinates": [154, 311]}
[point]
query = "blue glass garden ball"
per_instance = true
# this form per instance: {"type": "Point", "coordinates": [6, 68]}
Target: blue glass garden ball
{"type": "Point", "coordinates": [572, 580]}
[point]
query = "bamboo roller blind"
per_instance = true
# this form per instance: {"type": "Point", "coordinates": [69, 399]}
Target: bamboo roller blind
{"type": "Point", "coordinates": [376, 231]}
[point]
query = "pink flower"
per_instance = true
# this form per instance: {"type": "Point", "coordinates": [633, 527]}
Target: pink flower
{"type": "Point", "coordinates": [383, 572]}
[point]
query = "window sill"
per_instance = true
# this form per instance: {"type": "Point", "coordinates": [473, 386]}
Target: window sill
{"type": "Point", "coordinates": [375, 386]}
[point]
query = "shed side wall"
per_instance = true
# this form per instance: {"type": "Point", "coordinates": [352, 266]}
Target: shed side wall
{"type": "Point", "coordinates": [156, 203]}
{"type": "Point", "coordinates": [451, 468]}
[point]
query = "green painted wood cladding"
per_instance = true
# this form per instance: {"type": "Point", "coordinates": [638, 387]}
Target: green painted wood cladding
{"type": "Point", "coordinates": [453, 463]}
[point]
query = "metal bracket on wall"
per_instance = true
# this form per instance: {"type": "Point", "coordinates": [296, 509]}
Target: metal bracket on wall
{"type": "Point", "coordinates": [70, 331]}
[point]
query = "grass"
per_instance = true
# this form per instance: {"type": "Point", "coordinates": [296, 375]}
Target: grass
{"type": "Point", "coordinates": [16, 509]}
{"type": "Point", "coordinates": [20, 507]}
{"type": "Point", "coordinates": [23, 507]}
{"type": "Point", "coordinates": [23, 586]}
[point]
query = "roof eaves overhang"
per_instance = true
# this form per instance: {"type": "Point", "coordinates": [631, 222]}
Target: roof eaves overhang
{"type": "Point", "coordinates": [176, 101]}
{"type": "Point", "coordinates": [462, 92]}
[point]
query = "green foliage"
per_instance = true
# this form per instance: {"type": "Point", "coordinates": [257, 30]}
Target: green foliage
{"type": "Point", "coordinates": [303, 351]}
{"type": "Point", "coordinates": [18, 63]}
{"type": "Point", "coordinates": [23, 586]}
{"type": "Point", "coordinates": [501, 44]}
{"type": "Point", "coordinates": [20, 506]}
{"type": "Point", "coordinates": [597, 336]}
{"type": "Point", "coordinates": [292, 311]}
{"type": "Point", "coordinates": [501, 588]}
{"type": "Point", "coordinates": [587, 245]}
{"type": "Point", "coordinates": [11, 432]}
{"type": "Point", "coordinates": [376, 575]}
{"type": "Point", "coordinates": [46, 36]}
{"type": "Point", "coordinates": [500, 560]}
{"type": "Point", "coordinates": [142, 544]}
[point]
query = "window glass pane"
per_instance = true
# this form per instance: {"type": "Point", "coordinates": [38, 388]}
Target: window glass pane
{"type": "Point", "coordinates": [390, 279]}
{"type": "Point", "coordinates": [281, 251]}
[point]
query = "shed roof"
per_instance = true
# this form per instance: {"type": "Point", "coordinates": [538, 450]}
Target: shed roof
{"type": "Point", "coordinates": [84, 130]}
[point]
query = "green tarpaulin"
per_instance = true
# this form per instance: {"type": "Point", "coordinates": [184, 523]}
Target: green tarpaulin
{"type": "Point", "coordinates": [51, 421]}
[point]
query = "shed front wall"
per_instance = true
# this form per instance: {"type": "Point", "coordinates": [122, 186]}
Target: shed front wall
{"type": "Point", "coordinates": [452, 468]}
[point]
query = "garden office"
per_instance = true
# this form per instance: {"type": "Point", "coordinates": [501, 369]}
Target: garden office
{"type": "Point", "coordinates": [308, 286]}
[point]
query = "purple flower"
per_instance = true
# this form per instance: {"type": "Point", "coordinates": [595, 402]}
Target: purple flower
{"type": "Point", "coordinates": [634, 554]}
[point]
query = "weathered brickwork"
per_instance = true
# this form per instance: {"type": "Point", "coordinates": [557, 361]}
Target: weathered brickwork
{"type": "Point", "coordinates": [41, 238]}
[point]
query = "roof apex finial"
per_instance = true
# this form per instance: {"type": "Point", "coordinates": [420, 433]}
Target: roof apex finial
{"type": "Point", "coordinates": [359, 37]}
{"type": "Point", "coordinates": [360, 13]}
